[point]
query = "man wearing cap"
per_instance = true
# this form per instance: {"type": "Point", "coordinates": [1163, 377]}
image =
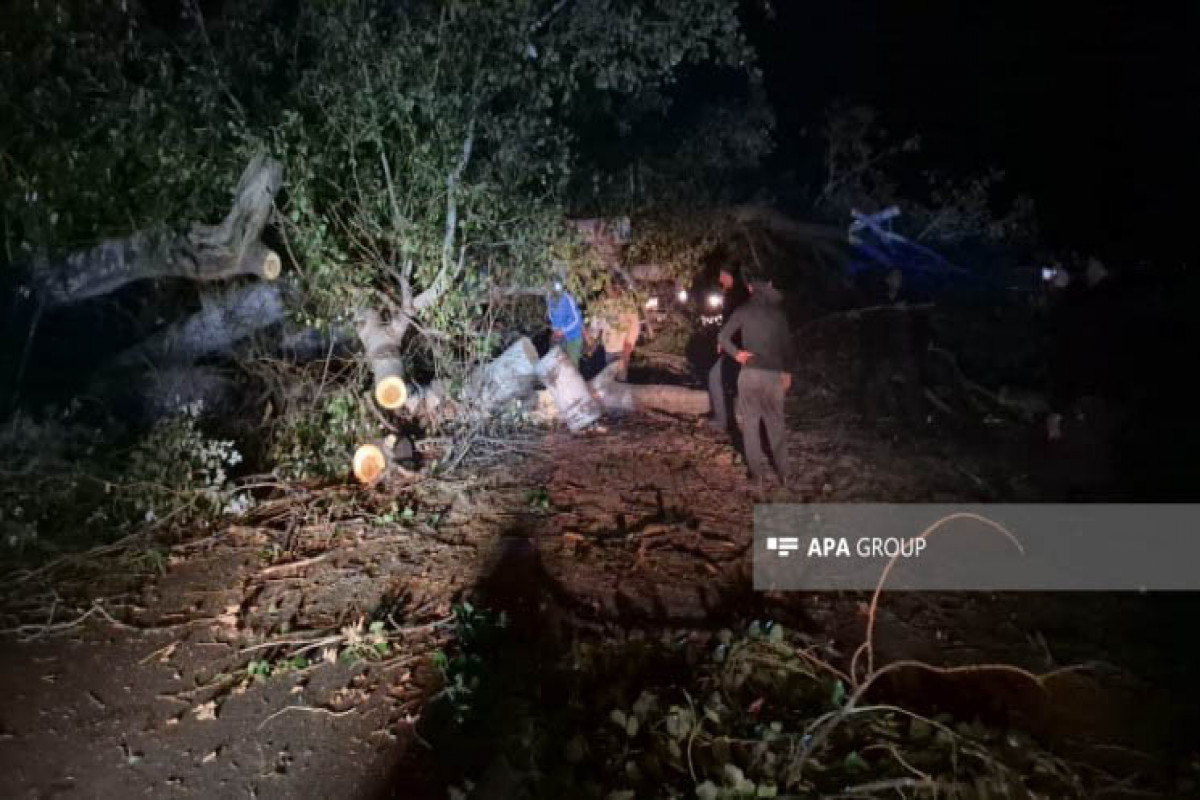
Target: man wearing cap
{"type": "Point", "coordinates": [765, 355]}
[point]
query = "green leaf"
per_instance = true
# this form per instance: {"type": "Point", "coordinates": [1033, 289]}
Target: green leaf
{"type": "Point", "coordinates": [854, 761]}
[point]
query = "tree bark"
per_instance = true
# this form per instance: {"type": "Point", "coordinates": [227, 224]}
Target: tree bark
{"type": "Point", "coordinates": [201, 253]}
{"type": "Point", "coordinates": [381, 341]}
{"type": "Point", "coordinates": [618, 398]}
{"type": "Point", "coordinates": [575, 404]}
{"type": "Point", "coordinates": [511, 376]}
{"type": "Point", "coordinates": [227, 318]}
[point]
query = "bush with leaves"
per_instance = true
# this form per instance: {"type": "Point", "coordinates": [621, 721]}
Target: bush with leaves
{"type": "Point", "coordinates": [313, 440]}
{"type": "Point", "coordinates": [68, 484]}
{"type": "Point", "coordinates": [434, 148]}
{"type": "Point", "coordinates": [175, 471]}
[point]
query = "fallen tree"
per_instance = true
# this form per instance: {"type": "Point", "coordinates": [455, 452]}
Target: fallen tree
{"type": "Point", "coordinates": [618, 398]}
{"type": "Point", "coordinates": [226, 318]}
{"type": "Point", "coordinates": [382, 335]}
{"type": "Point", "coordinates": [201, 253]}
{"type": "Point", "coordinates": [512, 376]}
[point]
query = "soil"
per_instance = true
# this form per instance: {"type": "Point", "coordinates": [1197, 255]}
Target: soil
{"type": "Point", "coordinates": [642, 529]}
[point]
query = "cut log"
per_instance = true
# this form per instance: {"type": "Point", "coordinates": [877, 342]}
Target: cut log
{"type": "Point", "coordinates": [370, 462]}
{"type": "Point", "coordinates": [576, 406]}
{"type": "Point", "coordinates": [381, 341]}
{"type": "Point", "coordinates": [512, 376]}
{"type": "Point", "coordinates": [228, 317]}
{"type": "Point", "coordinates": [626, 398]}
{"type": "Point", "coordinates": [201, 253]}
{"type": "Point", "coordinates": [373, 459]}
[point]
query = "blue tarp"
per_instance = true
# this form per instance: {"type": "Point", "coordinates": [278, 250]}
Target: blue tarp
{"type": "Point", "coordinates": [875, 247]}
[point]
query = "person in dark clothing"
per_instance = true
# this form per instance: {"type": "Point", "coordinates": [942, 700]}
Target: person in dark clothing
{"type": "Point", "coordinates": [765, 355]}
{"type": "Point", "coordinates": [722, 377]}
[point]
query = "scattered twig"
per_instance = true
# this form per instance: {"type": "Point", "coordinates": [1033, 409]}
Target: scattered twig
{"type": "Point", "coordinates": [309, 710]}
{"type": "Point", "coordinates": [293, 565]}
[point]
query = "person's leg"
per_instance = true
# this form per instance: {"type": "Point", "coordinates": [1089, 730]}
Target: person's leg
{"type": "Point", "coordinates": [775, 423]}
{"type": "Point", "coordinates": [753, 399]}
{"type": "Point", "coordinates": [574, 350]}
{"type": "Point", "coordinates": [716, 395]}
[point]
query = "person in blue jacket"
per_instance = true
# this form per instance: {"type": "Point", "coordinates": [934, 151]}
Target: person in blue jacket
{"type": "Point", "coordinates": [566, 323]}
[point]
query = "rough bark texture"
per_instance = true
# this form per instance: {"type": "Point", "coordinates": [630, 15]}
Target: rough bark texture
{"type": "Point", "coordinates": [513, 375]}
{"type": "Point", "coordinates": [381, 342]}
{"type": "Point", "coordinates": [227, 318]}
{"type": "Point", "coordinates": [576, 406]}
{"type": "Point", "coordinates": [201, 253]}
{"type": "Point", "coordinates": [627, 398]}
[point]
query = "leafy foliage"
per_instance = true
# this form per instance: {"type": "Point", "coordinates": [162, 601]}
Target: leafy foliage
{"type": "Point", "coordinates": [312, 440]}
{"type": "Point", "coordinates": [429, 141]}
{"type": "Point", "coordinates": [105, 127]}
{"type": "Point", "coordinates": [66, 483]}
{"type": "Point", "coordinates": [402, 120]}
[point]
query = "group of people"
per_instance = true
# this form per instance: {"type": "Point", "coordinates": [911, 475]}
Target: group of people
{"type": "Point", "coordinates": [614, 325]}
{"type": "Point", "coordinates": [755, 343]}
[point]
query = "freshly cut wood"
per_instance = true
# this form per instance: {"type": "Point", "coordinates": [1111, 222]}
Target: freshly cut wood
{"type": "Point", "coordinates": [381, 340]}
{"type": "Point", "coordinates": [200, 253]}
{"type": "Point", "coordinates": [370, 462]}
{"type": "Point", "coordinates": [390, 391]}
{"type": "Point", "coordinates": [626, 398]}
{"type": "Point", "coordinates": [512, 376]}
{"type": "Point", "coordinates": [373, 459]}
{"type": "Point", "coordinates": [227, 317]}
{"type": "Point", "coordinates": [576, 406]}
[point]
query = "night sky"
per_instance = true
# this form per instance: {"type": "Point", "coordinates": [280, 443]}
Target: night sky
{"type": "Point", "coordinates": [1090, 108]}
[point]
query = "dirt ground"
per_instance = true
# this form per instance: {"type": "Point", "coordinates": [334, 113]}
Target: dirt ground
{"type": "Point", "coordinates": [646, 527]}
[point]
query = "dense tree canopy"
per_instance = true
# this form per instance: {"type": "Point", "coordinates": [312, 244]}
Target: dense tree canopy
{"type": "Point", "coordinates": [428, 145]}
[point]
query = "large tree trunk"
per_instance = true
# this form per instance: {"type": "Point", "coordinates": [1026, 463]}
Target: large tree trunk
{"type": "Point", "coordinates": [227, 318]}
{"type": "Point", "coordinates": [575, 404]}
{"type": "Point", "coordinates": [511, 376]}
{"type": "Point", "coordinates": [201, 253]}
{"type": "Point", "coordinates": [626, 398]}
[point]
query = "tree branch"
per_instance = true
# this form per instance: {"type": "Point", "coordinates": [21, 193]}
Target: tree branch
{"type": "Point", "coordinates": [202, 253]}
{"type": "Point", "coordinates": [448, 271]}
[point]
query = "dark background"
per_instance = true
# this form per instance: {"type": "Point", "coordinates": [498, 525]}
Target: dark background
{"type": "Point", "coordinates": [1089, 108]}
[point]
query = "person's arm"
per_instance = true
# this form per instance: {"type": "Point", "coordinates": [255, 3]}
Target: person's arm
{"type": "Point", "coordinates": [725, 338]}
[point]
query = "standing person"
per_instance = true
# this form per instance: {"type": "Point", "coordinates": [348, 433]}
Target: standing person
{"type": "Point", "coordinates": [617, 326]}
{"type": "Point", "coordinates": [722, 377]}
{"type": "Point", "coordinates": [765, 355]}
{"type": "Point", "coordinates": [566, 324]}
